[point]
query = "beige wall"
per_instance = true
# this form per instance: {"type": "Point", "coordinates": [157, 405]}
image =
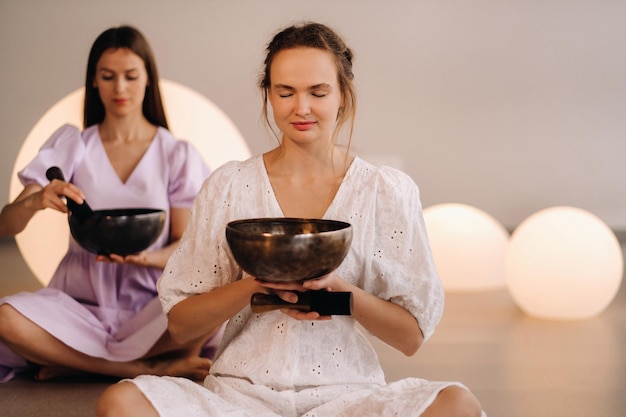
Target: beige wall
{"type": "Point", "coordinates": [511, 106]}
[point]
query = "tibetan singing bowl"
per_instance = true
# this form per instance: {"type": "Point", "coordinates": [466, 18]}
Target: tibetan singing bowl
{"type": "Point", "coordinates": [119, 231]}
{"type": "Point", "coordinates": [288, 249]}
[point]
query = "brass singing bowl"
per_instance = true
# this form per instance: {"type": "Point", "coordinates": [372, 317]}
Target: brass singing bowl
{"type": "Point", "coordinates": [114, 231]}
{"type": "Point", "coordinates": [118, 231]}
{"type": "Point", "coordinates": [288, 249]}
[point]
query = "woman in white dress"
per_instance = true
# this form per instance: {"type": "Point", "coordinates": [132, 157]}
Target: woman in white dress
{"type": "Point", "coordinates": [288, 362]}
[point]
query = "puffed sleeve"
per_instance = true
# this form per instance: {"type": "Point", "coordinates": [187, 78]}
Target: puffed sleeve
{"type": "Point", "coordinates": [65, 149]}
{"type": "Point", "coordinates": [187, 173]}
{"type": "Point", "coordinates": [402, 266]}
{"type": "Point", "coordinates": [202, 259]}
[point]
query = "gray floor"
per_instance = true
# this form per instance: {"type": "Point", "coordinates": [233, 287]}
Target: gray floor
{"type": "Point", "coordinates": [516, 365]}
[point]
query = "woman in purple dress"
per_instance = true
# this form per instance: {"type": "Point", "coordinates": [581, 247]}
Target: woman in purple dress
{"type": "Point", "coordinates": [101, 314]}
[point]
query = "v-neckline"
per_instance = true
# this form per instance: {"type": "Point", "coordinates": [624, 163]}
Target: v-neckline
{"type": "Point", "coordinates": [137, 165]}
{"type": "Point", "coordinates": [276, 203]}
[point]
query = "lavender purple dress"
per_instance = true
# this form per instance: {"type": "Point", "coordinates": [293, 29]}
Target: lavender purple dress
{"type": "Point", "coordinates": [104, 309]}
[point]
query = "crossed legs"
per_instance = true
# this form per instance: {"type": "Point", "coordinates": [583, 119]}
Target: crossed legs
{"type": "Point", "coordinates": [36, 345]}
{"type": "Point", "coordinates": [454, 401]}
{"type": "Point", "coordinates": [125, 399]}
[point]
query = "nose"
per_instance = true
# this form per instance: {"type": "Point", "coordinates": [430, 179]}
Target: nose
{"type": "Point", "coordinates": [303, 106]}
{"type": "Point", "coordinates": [120, 84]}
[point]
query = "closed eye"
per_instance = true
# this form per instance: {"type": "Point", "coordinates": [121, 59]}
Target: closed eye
{"type": "Point", "coordinates": [320, 90]}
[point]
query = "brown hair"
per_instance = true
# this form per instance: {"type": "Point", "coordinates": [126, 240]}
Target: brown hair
{"type": "Point", "coordinates": [315, 35]}
{"type": "Point", "coordinates": [131, 38]}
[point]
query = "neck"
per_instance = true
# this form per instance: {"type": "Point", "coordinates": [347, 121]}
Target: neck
{"type": "Point", "coordinates": [297, 161]}
{"type": "Point", "coordinates": [125, 129]}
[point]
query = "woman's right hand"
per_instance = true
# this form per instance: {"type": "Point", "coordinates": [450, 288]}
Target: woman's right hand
{"type": "Point", "coordinates": [287, 291]}
{"type": "Point", "coordinates": [52, 195]}
{"type": "Point", "coordinates": [16, 215]}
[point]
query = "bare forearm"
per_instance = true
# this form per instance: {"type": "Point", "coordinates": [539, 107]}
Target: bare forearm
{"type": "Point", "coordinates": [389, 322]}
{"type": "Point", "coordinates": [202, 314]}
{"type": "Point", "coordinates": [158, 258]}
{"type": "Point", "coordinates": [14, 217]}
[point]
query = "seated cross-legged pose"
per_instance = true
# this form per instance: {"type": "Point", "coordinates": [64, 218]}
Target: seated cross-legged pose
{"type": "Point", "coordinates": [290, 362]}
{"type": "Point", "coordinates": [101, 314]}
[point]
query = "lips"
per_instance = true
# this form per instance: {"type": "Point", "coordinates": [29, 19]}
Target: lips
{"type": "Point", "coordinates": [120, 101]}
{"type": "Point", "coordinates": [303, 125]}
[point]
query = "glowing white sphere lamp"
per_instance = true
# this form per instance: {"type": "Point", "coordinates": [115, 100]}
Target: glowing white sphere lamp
{"type": "Point", "coordinates": [191, 117]}
{"type": "Point", "coordinates": [563, 263]}
{"type": "Point", "coordinates": [468, 247]}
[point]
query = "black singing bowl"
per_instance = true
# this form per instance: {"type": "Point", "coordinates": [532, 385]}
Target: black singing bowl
{"type": "Point", "coordinates": [118, 231]}
{"type": "Point", "coordinates": [288, 249]}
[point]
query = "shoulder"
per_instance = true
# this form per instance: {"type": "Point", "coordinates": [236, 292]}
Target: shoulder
{"type": "Point", "coordinates": [65, 148]}
{"type": "Point", "coordinates": [384, 178]}
{"type": "Point", "coordinates": [65, 134]}
{"type": "Point", "coordinates": [174, 148]}
{"type": "Point", "coordinates": [69, 139]}
{"type": "Point", "coordinates": [166, 140]}
{"type": "Point", "coordinates": [245, 167]}
{"type": "Point", "coordinates": [229, 175]}
{"type": "Point", "coordinates": [390, 190]}
{"type": "Point", "coordinates": [68, 129]}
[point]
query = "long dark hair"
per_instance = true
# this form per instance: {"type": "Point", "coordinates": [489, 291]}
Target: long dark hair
{"type": "Point", "coordinates": [131, 38]}
{"type": "Point", "coordinates": [315, 35]}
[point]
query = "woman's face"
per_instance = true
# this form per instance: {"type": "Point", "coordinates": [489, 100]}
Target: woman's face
{"type": "Point", "coordinates": [304, 94]}
{"type": "Point", "coordinates": [121, 79]}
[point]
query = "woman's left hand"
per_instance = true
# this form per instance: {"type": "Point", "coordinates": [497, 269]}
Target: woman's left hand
{"type": "Point", "coordinates": [287, 292]}
{"type": "Point", "coordinates": [140, 258]}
